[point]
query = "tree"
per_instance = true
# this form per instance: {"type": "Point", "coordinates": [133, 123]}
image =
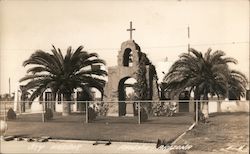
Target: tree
{"type": "Point", "coordinates": [205, 74]}
{"type": "Point", "coordinates": [143, 87]}
{"type": "Point", "coordinates": [63, 74]}
{"type": "Point", "coordinates": [24, 98]}
{"type": "Point", "coordinates": [140, 87]}
{"type": "Point", "coordinates": [237, 84]}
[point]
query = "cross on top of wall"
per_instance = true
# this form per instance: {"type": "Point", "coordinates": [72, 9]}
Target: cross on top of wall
{"type": "Point", "coordinates": [130, 30]}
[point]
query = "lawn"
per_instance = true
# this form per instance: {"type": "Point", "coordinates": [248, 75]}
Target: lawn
{"type": "Point", "coordinates": [225, 132]}
{"type": "Point", "coordinates": [103, 128]}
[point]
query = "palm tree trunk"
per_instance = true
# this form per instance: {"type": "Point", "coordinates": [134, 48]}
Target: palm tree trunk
{"type": "Point", "coordinates": [53, 102]}
{"type": "Point", "coordinates": [23, 106]}
{"type": "Point", "coordinates": [205, 109]}
{"type": "Point", "coordinates": [218, 106]}
{"type": "Point", "coordinates": [205, 106]}
{"type": "Point", "coordinates": [66, 104]}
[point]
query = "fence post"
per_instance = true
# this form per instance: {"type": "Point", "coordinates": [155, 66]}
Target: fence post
{"type": "Point", "coordinates": [43, 111]}
{"type": "Point", "coordinates": [19, 102]}
{"type": "Point", "coordinates": [196, 112]}
{"type": "Point", "coordinates": [139, 112]}
{"type": "Point", "coordinates": [5, 111]}
{"type": "Point", "coordinates": [81, 110]}
{"type": "Point", "coordinates": [87, 114]}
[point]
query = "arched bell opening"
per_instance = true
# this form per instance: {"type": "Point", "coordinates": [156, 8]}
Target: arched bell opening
{"type": "Point", "coordinates": [128, 58]}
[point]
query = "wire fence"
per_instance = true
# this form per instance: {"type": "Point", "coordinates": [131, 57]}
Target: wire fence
{"type": "Point", "coordinates": [114, 111]}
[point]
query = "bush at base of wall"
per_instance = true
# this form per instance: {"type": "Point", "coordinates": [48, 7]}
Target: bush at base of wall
{"type": "Point", "coordinates": [11, 114]}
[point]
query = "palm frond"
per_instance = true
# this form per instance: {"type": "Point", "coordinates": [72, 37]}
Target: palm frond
{"type": "Point", "coordinates": [208, 74]}
{"type": "Point", "coordinates": [34, 76]}
{"type": "Point", "coordinates": [63, 74]}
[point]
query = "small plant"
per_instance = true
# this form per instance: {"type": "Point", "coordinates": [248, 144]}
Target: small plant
{"type": "Point", "coordinates": [164, 109]}
{"type": "Point", "coordinates": [91, 114]}
{"type": "Point", "coordinates": [102, 109]}
{"type": "Point", "coordinates": [11, 114]}
{"type": "Point", "coordinates": [201, 117]}
{"type": "Point", "coordinates": [48, 114]}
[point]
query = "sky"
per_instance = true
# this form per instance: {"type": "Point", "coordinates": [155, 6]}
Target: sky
{"type": "Point", "coordinates": [100, 26]}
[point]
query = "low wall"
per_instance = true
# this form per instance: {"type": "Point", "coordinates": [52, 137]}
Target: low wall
{"type": "Point", "coordinates": [228, 106]}
{"type": "Point", "coordinates": [235, 106]}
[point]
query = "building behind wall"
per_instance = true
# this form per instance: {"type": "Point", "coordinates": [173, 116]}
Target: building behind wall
{"type": "Point", "coordinates": [46, 101]}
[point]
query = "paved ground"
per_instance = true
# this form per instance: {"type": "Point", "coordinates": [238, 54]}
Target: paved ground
{"type": "Point", "coordinates": [86, 147]}
{"type": "Point", "coordinates": [77, 147]}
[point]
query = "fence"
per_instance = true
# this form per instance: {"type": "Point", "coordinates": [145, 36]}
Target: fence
{"type": "Point", "coordinates": [130, 111]}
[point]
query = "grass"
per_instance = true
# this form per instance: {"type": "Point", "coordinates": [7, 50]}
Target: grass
{"type": "Point", "coordinates": [103, 128]}
{"type": "Point", "coordinates": [225, 132]}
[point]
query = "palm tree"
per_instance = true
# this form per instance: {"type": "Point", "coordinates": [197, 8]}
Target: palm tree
{"type": "Point", "coordinates": [63, 74]}
{"type": "Point", "coordinates": [24, 97]}
{"type": "Point", "coordinates": [204, 74]}
{"type": "Point", "coordinates": [237, 84]}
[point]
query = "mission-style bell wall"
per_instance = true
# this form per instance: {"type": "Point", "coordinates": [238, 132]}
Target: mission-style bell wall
{"type": "Point", "coordinates": [128, 63]}
{"type": "Point", "coordinates": [127, 60]}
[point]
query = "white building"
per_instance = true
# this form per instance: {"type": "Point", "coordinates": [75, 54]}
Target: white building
{"type": "Point", "coordinates": [45, 101]}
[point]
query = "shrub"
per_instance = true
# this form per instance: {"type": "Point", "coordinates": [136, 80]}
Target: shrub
{"type": "Point", "coordinates": [102, 109]}
{"type": "Point", "coordinates": [143, 115]}
{"type": "Point", "coordinates": [91, 114]}
{"type": "Point", "coordinates": [11, 114]}
{"type": "Point", "coordinates": [48, 114]}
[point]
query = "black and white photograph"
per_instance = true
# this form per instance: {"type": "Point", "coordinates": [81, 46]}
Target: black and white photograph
{"type": "Point", "coordinates": [124, 76]}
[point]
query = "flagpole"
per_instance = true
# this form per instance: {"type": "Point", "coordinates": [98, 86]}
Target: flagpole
{"type": "Point", "coordinates": [9, 88]}
{"type": "Point", "coordinates": [188, 29]}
